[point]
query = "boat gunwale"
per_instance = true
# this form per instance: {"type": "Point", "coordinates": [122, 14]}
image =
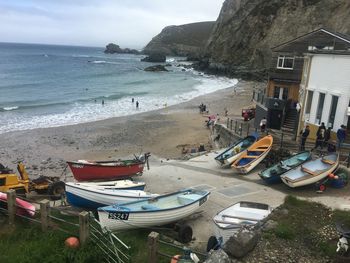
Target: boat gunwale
{"type": "Point", "coordinates": [234, 145]}
{"type": "Point", "coordinates": [120, 205]}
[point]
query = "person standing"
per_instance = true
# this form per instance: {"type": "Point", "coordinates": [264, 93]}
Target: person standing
{"type": "Point", "coordinates": [132, 100]}
{"type": "Point", "coordinates": [341, 135]}
{"type": "Point", "coordinates": [327, 136]}
{"type": "Point", "coordinates": [263, 124]}
{"type": "Point", "coordinates": [322, 127]}
{"type": "Point", "coordinates": [304, 134]}
{"type": "Point", "coordinates": [320, 139]}
{"type": "Point", "coordinates": [137, 104]}
{"type": "Point", "coordinates": [103, 102]}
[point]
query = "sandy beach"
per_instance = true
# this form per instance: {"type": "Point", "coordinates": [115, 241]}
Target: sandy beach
{"type": "Point", "coordinates": [162, 132]}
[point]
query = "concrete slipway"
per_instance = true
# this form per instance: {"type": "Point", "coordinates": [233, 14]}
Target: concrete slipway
{"type": "Point", "coordinates": [226, 187]}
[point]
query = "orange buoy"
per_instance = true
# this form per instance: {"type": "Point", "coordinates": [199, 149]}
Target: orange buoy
{"type": "Point", "coordinates": [72, 242]}
{"type": "Point", "coordinates": [331, 175]}
{"type": "Point", "coordinates": [175, 259]}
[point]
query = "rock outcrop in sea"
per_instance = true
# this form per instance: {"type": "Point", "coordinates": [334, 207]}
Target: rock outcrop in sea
{"type": "Point", "coordinates": [113, 48]}
{"type": "Point", "coordinates": [156, 68]}
{"type": "Point", "coordinates": [183, 40]}
{"type": "Point", "coordinates": [154, 57]}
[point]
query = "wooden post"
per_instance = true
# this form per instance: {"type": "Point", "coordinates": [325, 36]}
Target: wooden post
{"type": "Point", "coordinates": [11, 205]}
{"type": "Point", "coordinates": [231, 124]}
{"type": "Point", "coordinates": [84, 227]}
{"type": "Point", "coordinates": [228, 120]}
{"type": "Point", "coordinates": [248, 128]}
{"type": "Point", "coordinates": [235, 126]}
{"type": "Point", "coordinates": [240, 130]}
{"type": "Point", "coordinates": [281, 140]}
{"type": "Point", "coordinates": [152, 243]}
{"type": "Point", "coordinates": [45, 214]}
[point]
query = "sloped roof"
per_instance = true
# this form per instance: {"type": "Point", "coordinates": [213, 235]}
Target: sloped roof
{"type": "Point", "coordinates": [320, 36]}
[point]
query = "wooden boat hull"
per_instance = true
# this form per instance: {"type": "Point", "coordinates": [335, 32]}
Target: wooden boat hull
{"type": "Point", "coordinates": [272, 175]}
{"type": "Point", "coordinates": [254, 155]}
{"type": "Point", "coordinates": [311, 171]}
{"type": "Point", "coordinates": [232, 218]}
{"type": "Point", "coordinates": [143, 214]}
{"type": "Point", "coordinates": [228, 156]}
{"type": "Point", "coordinates": [85, 171]}
{"type": "Point", "coordinates": [24, 208]}
{"type": "Point", "coordinates": [92, 198]}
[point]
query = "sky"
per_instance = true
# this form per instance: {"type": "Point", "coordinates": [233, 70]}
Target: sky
{"type": "Point", "coordinates": [128, 23]}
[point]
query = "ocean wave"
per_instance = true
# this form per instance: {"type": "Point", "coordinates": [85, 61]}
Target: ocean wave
{"type": "Point", "coordinates": [10, 108]}
{"type": "Point", "coordinates": [103, 62]}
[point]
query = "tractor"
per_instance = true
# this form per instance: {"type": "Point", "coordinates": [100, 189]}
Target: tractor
{"type": "Point", "coordinates": [23, 185]}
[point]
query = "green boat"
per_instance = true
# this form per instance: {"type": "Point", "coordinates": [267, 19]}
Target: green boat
{"type": "Point", "coordinates": [272, 174]}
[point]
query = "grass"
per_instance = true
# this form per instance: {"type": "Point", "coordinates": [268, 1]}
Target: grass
{"type": "Point", "coordinates": [26, 243]}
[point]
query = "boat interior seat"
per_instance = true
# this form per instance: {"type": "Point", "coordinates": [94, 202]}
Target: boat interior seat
{"type": "Point", "coordinates": [186, 199]}
{"type": "Point", "coordinates": [308, 171]}
{"type": "Point", "coordinates": [263, 147]}
{"type": "Point", "coordinates": [149, 207]}
{"type": "Point", "coordinates": [328, 161]}
{"type": "Point", "coordinates": [251, 156]}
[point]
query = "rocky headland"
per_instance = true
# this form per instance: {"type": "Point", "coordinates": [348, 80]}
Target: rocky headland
{"type": "Point", "coordinates": [183, 40]}
{"type": "Point", "coordinates": [113, 48]}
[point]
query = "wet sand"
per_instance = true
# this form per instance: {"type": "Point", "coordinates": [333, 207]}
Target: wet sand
{"type": "Point", "coordinates": [162, 132]}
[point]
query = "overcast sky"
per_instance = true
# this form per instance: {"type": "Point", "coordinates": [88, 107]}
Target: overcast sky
{"type": "Point", "coordinates": [129, 23]}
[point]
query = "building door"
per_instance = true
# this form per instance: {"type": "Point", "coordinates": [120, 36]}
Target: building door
{"type": "Point", "coordinates": [280, 93]}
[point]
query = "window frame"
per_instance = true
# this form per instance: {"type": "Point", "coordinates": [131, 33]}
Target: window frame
{"type": "Point", "coordinates": [283, 59]}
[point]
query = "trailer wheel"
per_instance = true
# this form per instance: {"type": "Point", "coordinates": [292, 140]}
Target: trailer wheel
{"type": "Point", "coordinates": [185, 233]}
{"type": "Point", "coordinates": [320, 187]}
{"type": "Point", "coordinates": [56, 189]}
{"type": "Point", "coordinates": [212, 243]}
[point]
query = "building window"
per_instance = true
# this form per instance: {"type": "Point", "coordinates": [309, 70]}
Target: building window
{"type": "Point", "coordinates": [310, 94]}
{"type": "Point", "coordinates": [320, 108]}
{"type": "Point", "coordinates": [280, 93]}
{"type": "Point", "coordinates": [333, 111]}
{"type": "Point", "coordinates": [285, 62]}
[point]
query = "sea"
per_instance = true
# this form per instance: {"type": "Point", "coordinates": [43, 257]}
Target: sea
{"type": "Point", "coordinates": [49, 86]}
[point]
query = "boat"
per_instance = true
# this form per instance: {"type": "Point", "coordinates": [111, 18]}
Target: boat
{"type": "Point", "coordinates": [311, 171]}
{"type": "Point", "coordinates": [272, 175]}
{"type": "Point", "coordinates": [231, 219]}
{"type": "Point", "coordinates": [232, 153]}
{"type": "Point", "coordinates": [157, 211]}
{"type": "Point", "coordinates": [253, 155]}
{"type": "Point", "coordinates": [118, 184]}
{"type": "Point", "coordinates": [92, 197]}
{"type": "Point", "coordinates": [24, 208]}
{"type": "Point", "coordinates": [84, 170]}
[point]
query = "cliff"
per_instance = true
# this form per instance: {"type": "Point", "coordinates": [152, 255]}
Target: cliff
{"type": "Point", "coordinates": [245, 31]}
{"type": "Point", "coordinates": [180, 40]}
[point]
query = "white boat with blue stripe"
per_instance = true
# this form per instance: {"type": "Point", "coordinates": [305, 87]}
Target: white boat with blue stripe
{"type": "Point", "coordinates": [93, 196]}
{"type": "Point", "coordinates": [157, 211]}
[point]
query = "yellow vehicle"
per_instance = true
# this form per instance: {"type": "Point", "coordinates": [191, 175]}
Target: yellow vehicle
{"type": "Point", "coordinates": [22, 184]}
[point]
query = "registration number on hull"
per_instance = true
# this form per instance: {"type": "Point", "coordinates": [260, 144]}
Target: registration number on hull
{"type": "Point", "coordinates": [118, 215]}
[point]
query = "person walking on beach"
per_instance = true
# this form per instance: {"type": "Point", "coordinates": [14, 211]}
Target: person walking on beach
{"type": "Point", "coordinates": [132, 100]}
{"type": "Point", "coordinates": [103, 102]}
{"type": "Point", "coordinates": [341, 135]}
{"type": "Point", "coordinates": [137, 104]}
{"type": "Point", "coordinates": [304, 134]}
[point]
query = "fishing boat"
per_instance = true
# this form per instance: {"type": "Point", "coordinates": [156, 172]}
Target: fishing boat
{"type": "Point", "coordinates": [24, 208]}
{"type": "Point", "coordinates": [228, 221]}
{"type": "Point", "coordinates": [253, 155]}
{"type": "Point", "coordinates": [84, 170]}
{"type": "Point", "coordinates": [157, 211]}
{"type": "Point", "coordinates": [117, 185]}
{"type": "Point", "coordinates": [92, 197]}
{"type": "Point", "coordinates": [232, 153]}
{"type": "Point", "coordinates": [311, 171]}
{"type": "Point", "coordinates": [272, 175]}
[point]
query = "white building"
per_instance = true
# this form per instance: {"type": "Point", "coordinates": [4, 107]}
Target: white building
{"type": "Point", "coordinates": [327, 90]}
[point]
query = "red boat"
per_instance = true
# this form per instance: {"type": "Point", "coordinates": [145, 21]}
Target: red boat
{"type": "Point", "coordinates": [107, 170]}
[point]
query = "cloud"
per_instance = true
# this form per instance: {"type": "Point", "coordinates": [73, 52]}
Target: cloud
{"type": "Point", "coordinates": [129, 23]}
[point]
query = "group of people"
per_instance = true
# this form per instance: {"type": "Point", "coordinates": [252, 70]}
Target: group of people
{"type": "Point", "coordinates": [203, 108]}
{"type": "Point", "coordinates": [323, 137]}
{"type": "Point", "coordinates": [137, 103]}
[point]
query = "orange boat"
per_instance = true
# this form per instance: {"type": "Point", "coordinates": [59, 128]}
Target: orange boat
{"type": "Point", "coordinates": [254, 155]}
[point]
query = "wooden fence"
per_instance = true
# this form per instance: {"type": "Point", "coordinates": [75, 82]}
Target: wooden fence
{"type": "Point", "coordinates": [88, 228]}
{"type": "Point", "coordinates": [154, 250]}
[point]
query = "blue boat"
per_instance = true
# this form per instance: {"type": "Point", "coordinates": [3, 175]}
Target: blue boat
{"type": "Point", "coordinates": [232, 153]}
{"type": "Point", "coordinates": [272, 174]}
